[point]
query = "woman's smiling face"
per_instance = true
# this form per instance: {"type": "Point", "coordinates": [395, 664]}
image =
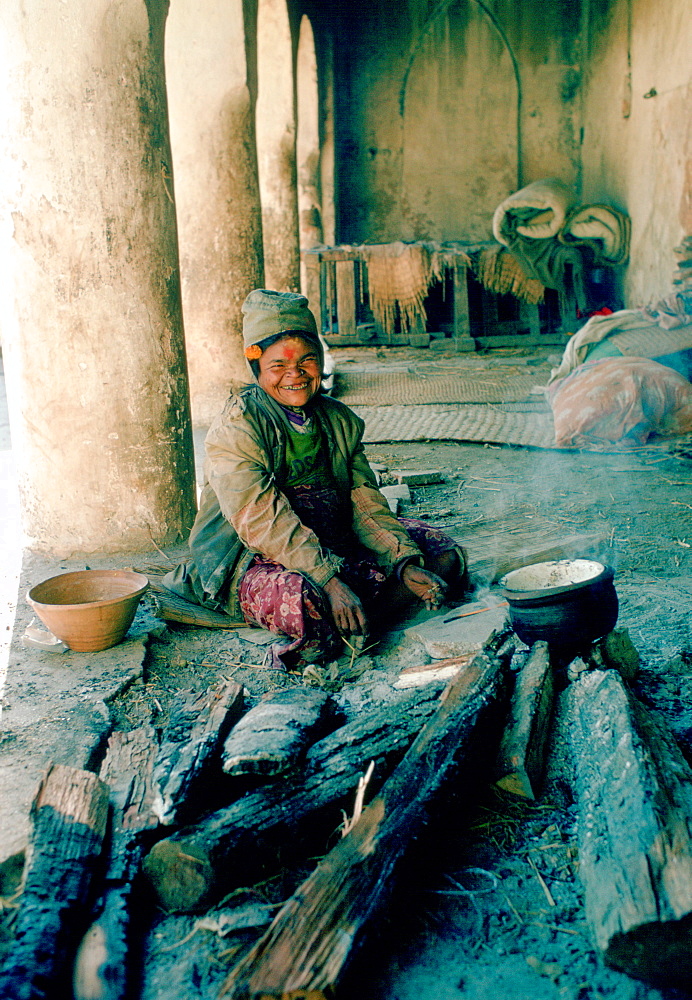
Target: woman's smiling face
{"type": "Point", "coordinates": [290, 371]}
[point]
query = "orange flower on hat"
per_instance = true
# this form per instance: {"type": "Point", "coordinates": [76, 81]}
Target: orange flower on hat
{"type": "Point", "coordinates": [253, 352]}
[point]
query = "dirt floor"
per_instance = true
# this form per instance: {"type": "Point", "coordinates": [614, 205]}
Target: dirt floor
{"type": "Point", "coordinates": [490, 904]}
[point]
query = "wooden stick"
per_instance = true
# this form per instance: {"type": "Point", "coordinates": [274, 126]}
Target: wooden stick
{"type": "Point", "coordinates": [69, 816]}
{"type": "Point", "coordinates": [309, 941]}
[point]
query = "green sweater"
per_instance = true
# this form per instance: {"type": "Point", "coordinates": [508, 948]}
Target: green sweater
{"type": "Point", "coordinates": [243, 510]}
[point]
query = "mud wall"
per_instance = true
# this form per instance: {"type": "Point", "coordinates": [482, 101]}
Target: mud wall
{"type": "Point", "coordinates": [637, 149]}
{"type": "Point", "coordinates": [442, 110]}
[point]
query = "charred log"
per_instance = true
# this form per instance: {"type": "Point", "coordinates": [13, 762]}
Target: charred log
{"type": "Point", "coordinates": [634, 790]}
{"type": "Point", "coordinates": [69, 818]}
{"type": "Point", "coordinates": [198, 725]}
{"type": "Point", "coordinates": [101, 966]}
{"type": "Point", "coordinates": [272, 737]}
{"type": "Point", "coordinates": [521, 757]}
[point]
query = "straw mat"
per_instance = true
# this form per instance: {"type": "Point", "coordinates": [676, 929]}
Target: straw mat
{"type": "Point", "coordinates": [398, 388]}
{"type": "Point", "coordinates": [532, 428]}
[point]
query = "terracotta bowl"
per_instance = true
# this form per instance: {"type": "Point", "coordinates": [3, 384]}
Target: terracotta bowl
{"type": "Point", "coordinates": [567, 602]}
{"type": "Point", "coordinates": [91, 609]}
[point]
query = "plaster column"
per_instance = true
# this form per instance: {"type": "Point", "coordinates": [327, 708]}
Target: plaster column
{"type": "Point", "coordinates": [308, 139]}
{"type": "Point", "coordinates": [217, 191]}
{"type": "Point", "coordinates": [91, 314]}
{"type": "Point", "coordinates": [276, 147]}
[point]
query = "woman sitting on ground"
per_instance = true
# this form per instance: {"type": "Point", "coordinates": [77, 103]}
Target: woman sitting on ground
{"type": "Point", "coordinates": [292, 533]}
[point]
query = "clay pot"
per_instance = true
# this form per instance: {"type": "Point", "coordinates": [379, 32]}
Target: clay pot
{"type": "Point", "coordinates": [567, 602]}
{"type": "Point", "coordinates": [90, 609]}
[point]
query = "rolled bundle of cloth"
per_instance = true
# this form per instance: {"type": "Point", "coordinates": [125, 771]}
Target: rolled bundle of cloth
{"type": "Point", "coordinates": [555, 240]}
{"type": "Point", "coordinates": [537, 212]}
{"type": "Point", "coordinates": [605, 230]}
{"type": "Point", "coordinates": [528, 223]}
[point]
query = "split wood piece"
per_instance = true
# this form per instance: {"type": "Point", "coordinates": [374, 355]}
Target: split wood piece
{"type": "Point", "coordinates": [616, 650]}
{"type": "Point", "coordinates": [634, 792]}
{"type": "Point", "coordinates": [101, 966]}
{"type": "Point", "coordinates": [229, 847]}
{"type": "Point", "coordinates": [272, 737]}
{"type": "Point", "coordinates": [522, 549]}
{"type": "Point", "coordinates": [310, 940]}
{"type": "Point", "coordinates": [435, 672]}
{"type": "Point", "coordinates": [521, 758]}
{"type": "Point", "coordinates": [199, 723]}
{"type": "Point", "coordinates": [69, 818]}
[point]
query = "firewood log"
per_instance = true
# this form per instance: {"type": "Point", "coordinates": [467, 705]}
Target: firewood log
{"type": "Point", "coordinates": [101, 966]}
{"type": "Point", "coordinates": [199, 722]}
{"type": "Point", "coordinates": [310, 940]}
{"type": "Point", "coordinates": [634, 791]}
{"type": "Point", "coordinates": [226, 848]}
{"type": "Point", "coordinates": [69, 817]}
{"type": "Point", "coordinates": [272, 736]}
{"type": "Point", "coordinates": [521, 757]}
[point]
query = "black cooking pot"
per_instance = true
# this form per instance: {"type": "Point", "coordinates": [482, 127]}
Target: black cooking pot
{"type": "Point", "coordinates": [567, 602]}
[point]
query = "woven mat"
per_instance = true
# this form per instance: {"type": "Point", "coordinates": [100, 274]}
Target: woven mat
{"type": "Point", "coordinates": [458, 423]}
{"type": "Point", "coordinates": [399, 388]}
{"type": "Point", "coordinates": [652, 341]}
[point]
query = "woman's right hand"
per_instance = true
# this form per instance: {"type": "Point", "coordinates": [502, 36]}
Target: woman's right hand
{"type": "Point", "coordinates": [347, 610]}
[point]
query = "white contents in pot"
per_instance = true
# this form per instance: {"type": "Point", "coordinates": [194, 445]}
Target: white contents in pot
{"type": "Point", "coordinates": [559, 573]}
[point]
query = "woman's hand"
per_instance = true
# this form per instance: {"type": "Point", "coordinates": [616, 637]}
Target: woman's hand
{"type": "Point", "coordinates": [347, 610]}
{"type": "Point", "coordinates": [427, 587]}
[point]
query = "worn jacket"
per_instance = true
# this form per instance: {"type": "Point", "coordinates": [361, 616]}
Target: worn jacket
{"type": "Point", "coordinates": [243, 510]}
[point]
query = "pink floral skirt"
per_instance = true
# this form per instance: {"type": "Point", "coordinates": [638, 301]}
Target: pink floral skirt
{"type": "Point", "coordinates": [287, 603]}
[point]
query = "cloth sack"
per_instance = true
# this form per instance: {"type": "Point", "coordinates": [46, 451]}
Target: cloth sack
{"type": "Point", "coordinates": [619, 402]}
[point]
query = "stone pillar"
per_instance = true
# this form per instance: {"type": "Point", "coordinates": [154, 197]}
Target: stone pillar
{"type": "Point", "coordinates": [216, 191]}
{"type": "Point", "coordinates": [276, 147]}
{"type": "Point", "coordinates": [325, 54]}
{"type": "Point", "coordinates": [91, 313]}
{"type": "Point", "coordinates": [308, 139]}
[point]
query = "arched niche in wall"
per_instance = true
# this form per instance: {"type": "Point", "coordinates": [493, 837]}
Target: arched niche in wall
{"type": "Point", "coordinates": [308, 141]}
{"type": "Point", "coordinates": [460, 103]}
{"type": "Point", "coordinates": [276, 146]}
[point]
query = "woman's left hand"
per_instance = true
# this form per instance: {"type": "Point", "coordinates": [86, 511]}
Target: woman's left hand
{"type": "Point", "coordinates": [427, 587]}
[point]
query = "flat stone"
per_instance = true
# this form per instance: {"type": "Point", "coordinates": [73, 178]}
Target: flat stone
{"type": "Point", "coordinates": [400, 492]}
{"type": "Point", "coordinates": [257, 636]}
{"type": "Point", "coordinates": [460, 630]}
{"type": "Point", "coordinates": [420, 478]}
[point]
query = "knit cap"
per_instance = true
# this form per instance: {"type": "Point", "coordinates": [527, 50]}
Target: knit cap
{"type": "Point", "coordinates": [267, 313]}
